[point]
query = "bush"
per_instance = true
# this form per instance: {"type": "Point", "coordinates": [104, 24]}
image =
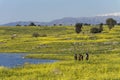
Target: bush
{"type": "Point", "coordinates": [35, 34]}
{"type": "Point", "coordinates": [95, 30]}
{"type": "Point", "coordinates": [43, 35]}
{"type": "Point", "coordinates": [38, 35]}
{"type": "Point", "coordinates": [13, 36]}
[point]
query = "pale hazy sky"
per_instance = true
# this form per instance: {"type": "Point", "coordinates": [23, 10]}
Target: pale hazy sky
{"type": "Point", "coordinates": [47, 10]}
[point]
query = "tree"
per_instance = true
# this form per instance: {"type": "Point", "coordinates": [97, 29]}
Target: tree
{"type": "Point", "coordinates": [18, 25]}
{"type": "Point", "coordinates": [32, 24]}
{"type": "Point", "coordinates": [101, 27]}
{"type": "Point", "coordinates": [71, 24]}
{"type": "Point", "coordinates": [60, 24]}
{"type": "Point", "coordinates": [111, 23]}
{"type": "Point", "coordinates": [25, 25]}
{"type": "Point", "coordinates": [39, 25]}
{"type": "Point", "coordinates": [54, 24]}
{"type": "Point", "coordinates": [86, 24]}
{"type": "Point", "coordinates": [78, 27]}
{"type": "Point", "coordinates": [118, 23]}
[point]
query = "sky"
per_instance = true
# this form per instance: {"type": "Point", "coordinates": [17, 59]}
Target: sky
{"type": "Point", "coordinates": [48, 10]}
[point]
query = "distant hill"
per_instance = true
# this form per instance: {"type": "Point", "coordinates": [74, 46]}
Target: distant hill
{"type": "Point", "coordinates": [69, 20]}
{"type": "Point", "coordinates": [23, 23]}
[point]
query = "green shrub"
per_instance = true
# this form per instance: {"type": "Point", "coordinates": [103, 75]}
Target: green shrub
{"type": "Point", "coordinates": [35, 34]}
{"type": "Point", "coordinates": [95, 30]}
{"type": "Point", "coordinates": [43, 35]}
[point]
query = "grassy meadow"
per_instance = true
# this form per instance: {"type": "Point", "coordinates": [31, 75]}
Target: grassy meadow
{"type": "Point", "coordinates": [60, 43]}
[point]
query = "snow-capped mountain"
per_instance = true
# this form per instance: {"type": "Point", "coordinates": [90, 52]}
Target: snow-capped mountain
{"type": "Point", "coordinates": [69, 20]}
{"type": "Point", "coordinates": [111, 14]}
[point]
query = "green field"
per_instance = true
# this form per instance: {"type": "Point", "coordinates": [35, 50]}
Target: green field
{"type": "Point", "coordinates": [60, 43]}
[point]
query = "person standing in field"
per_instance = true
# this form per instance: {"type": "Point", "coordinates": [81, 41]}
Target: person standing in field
{"type": "Point", "coordinates": [80, 57]}
{"type": "Point", "coordinates": [87, 56]}
{"type": "Point", "coordinates": [75, 56]}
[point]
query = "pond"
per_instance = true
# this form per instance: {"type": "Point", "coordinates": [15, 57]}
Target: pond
{"type": "Point", "coordinates": [13, 60]}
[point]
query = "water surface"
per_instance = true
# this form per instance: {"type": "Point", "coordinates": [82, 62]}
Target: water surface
{"type": "Point", "coordinates": [13, 60]}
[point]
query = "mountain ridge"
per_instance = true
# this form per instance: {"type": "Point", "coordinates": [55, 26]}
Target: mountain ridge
{"type": "Point", "coordinates": [71, 20]}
